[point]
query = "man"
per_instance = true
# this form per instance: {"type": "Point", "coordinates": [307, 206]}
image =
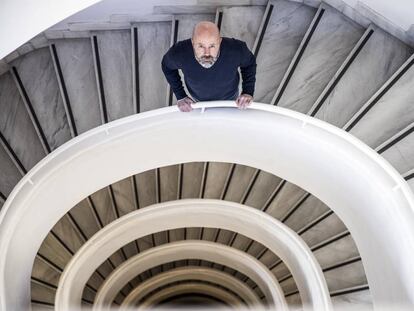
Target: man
{"type": "Point", "coordinates": [210, 66]}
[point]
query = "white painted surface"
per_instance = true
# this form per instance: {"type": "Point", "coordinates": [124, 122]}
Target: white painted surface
{"type": "Point", "coordinates": [190, 273]}
{"type": "Point", "coordinates": [183, 250]}
{"type": "Point", "coordinates": [193, 287]}
{"type": "Point", "coordinates": [188, 213]}
{"type": "Point", "coordinates": [25, 19]}
{"type": "Point", "coordinates": [371, 198]}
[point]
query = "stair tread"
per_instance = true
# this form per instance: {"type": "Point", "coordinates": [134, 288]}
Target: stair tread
{"type": "Point", "coordinates": [287, 26]}
{"type": "Point", "coordinates": [242, 23]}
{"type": "Point", "coordinates": [378, 59]}
{"type": "Point", "coordinates": [392, 113]}
{"type": "Point", "coordinates": [76, 61]}
{"type": "Point", "coordinates": [153, 85]}
{"type": "Point", "coordinates": [16, 126]}
{"type": "Point", "coordinates": [333, 39]}
{"type": "Point", "coordinates": [39, 80]}
{"type": "Point", "coordinates": [116, 64]}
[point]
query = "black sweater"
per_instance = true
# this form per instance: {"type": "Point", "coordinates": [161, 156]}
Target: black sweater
{"type": "Point", "coordinates": [219, 82]}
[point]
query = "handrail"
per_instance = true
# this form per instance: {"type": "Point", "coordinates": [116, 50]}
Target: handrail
{"type": "Point", "coordinates": [329, 163]}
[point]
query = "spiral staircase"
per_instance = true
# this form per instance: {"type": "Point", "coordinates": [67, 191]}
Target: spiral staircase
{"type": "Point", "coordinates": [313, 59]}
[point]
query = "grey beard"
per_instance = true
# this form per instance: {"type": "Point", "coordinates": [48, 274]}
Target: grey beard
{"type": "Point", "coordinates": [207, 64]}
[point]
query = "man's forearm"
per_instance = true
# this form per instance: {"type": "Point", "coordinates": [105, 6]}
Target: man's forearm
{"type": "Point", "coordinates": [248, 79]}
{"type": "Point", "coordinates": [173, 77]}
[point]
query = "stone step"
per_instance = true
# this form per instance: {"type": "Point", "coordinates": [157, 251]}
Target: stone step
{"type": "Point", "coordinates": [324, 48]}
{"type": "Point", "coordinates": [76, 60]}
{"type": "Point", "coordinates": [282, 36]}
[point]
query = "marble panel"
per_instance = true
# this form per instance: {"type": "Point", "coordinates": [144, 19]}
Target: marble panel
{"type": "Point", "coordinates": [333, 39]}
{"type": "Point", "coordinates": [378, 59]}
{"type": "Point", "coordinates": [262, 189]}
{"type": "Point", "coordinates": [256, 249]}
{"type": "Point", "coordinates": [393, 112]}
{"type": "Point", "coordinates": [184, 9]}
{"type": "Point", "coordinates": [327, 228]}
{"type": "Point", "coordinates": [67, 233]}
{"type": "Point", "coordinates": [192, 174]}
{"type": "Point", "coordinates": [45, 272]}
{"type": "Point", "coordinates": [9, 175]}
{"type": "Point", "coordinates": [280, 270]}
{"type": "Point", "coordinates": [76, 61]}
{"type": "Point", "coordinates": [284, 33]}
{"type": "Point", "coordinates": [241, 22]}
{"type": "Point", "coordinates": [106, 212]}
{"type": "Point", "coordinates": [241, 242]}
{"type": "Point", "coordinates": [401, 155]}
{"type": "Point", "coordinates": [269, 258]}
{"type": "Point", "coordinates": [216, 179]}
{"type": "Point", "coordinates": [146, 195]}
{"type": "Point", "coordinates": [42, 293]}
{"type": "Point", "coordinates": [239, 183]}
{"type": "Point", "coordinates": [38, 77]}
{"type": "Point", "coordinates": [115, 54]}
{"type": "Point", "coordinates": [40, 307]}
{"type": "Point", "coordinates": [54, 251]}
{"type": "Point", "coordinates": [288, 196]}
{"type": "Point", "coordinates": [88, 294]}
{"type": "Point", "coordinates": [16, 126]}
{"type": "Point", "coordinates": [294, 302]}
{"type": "Point", "coordinates": [288, 285]}
{"type": "Point", "coordinates": [85, 218]}
{"type": "Point", "coordinates": [346, 276]}
{"type": "Point", "coordinates": [337, 251]}
{"type": "Point", "coordinates": [308, 211]}
{"type": "Point", "coordinates": [152, 83]}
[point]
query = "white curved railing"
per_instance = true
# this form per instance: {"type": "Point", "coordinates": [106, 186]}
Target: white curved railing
{"type": "Point", "coordinates": [224, 296]}
{"type": "Point", "coordinates": [185, 214]}
{"type": "Point", "coordinates": [66, 297]}
{"type": "Point", "coordinates": [371, 198]}
{"type": "Point", "coordinates": [190, 273]}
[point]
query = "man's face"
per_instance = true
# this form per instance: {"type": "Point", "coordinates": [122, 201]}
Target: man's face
{"type": "Point", "coordinates": [206, 49]}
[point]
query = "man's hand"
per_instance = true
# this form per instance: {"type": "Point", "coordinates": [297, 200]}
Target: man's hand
{"type": "Point", "coordinates": [184, 104]}
{"type": "Point", "coordinates": [243, 101]}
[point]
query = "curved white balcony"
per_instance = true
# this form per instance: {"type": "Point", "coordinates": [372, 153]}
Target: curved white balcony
{"type": "Point", "coordinates": [371, 198]}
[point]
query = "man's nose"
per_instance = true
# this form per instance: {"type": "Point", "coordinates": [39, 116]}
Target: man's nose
{"type": "Point", "coordinates": [207, 51]}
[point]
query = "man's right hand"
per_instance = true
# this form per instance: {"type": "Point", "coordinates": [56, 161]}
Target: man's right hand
{"type": "Point", "coordinates": [184, 104]}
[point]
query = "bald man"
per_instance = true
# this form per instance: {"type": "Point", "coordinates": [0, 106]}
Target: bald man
{"type": "Point", "coordinates": [210, 66]}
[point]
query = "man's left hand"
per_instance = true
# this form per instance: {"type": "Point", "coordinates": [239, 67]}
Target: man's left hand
{"type": "Point", "coordinates": [243, 101]}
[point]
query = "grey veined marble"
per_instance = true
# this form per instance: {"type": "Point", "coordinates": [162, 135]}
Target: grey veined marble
{"type": "Point", "coordinates": [76, 61]}
{"type": "Point", "coordinates": [116, 64]}
{"type": "Point", "coordinates": [360, 300]}
{"type": "Point", "coordinates": [152, 83]}
{"type": "Point", "coordinates": [242, 23]}
{"type": "Point", "coordinates": [285, 30]}
{"type": "Point", "coordinates": [391, 113]}
{"type": "Point", "coordinates": [333, 39]}
{"type": "Point", "coordinates": [9, 175]}
{"type": "Point", "coordinates": [16, 126]}
{"type": "Point", "coordinates": [378, 59]}
{"type": "Point", "coordinates": [39, 80]}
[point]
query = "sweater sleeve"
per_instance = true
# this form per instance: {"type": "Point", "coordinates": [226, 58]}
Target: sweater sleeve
{"type": "Point", "coordinates": [170, 70]}
{"type": "Point", "coordinates": [248, 70]}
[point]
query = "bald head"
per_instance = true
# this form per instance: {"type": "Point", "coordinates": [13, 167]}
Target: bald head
{"type": "Point", "coordinates": [206, 43]}
{"type": "Point", "coordinates": [206, 29]}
